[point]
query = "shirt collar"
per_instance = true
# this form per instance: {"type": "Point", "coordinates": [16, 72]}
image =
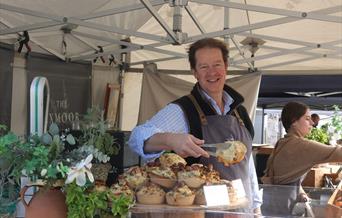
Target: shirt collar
{"type": "Point", "coordinates": [227, 99]}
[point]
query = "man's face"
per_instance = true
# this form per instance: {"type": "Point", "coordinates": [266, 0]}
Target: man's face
{"type": "Point", "coordinates": [315, 121]}
{"type": "Point", "coordinates": [210, 70]}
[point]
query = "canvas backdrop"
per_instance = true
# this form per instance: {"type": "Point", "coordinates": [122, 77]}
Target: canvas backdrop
{"type": "Point", "coordinates": [160, 89]}
{"type": "Point", "coordinates": [6, 60]}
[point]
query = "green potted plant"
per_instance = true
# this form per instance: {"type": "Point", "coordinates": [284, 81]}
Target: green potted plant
{"type": "Point", "coordinates": [320, 135]}
{"type": "Point", "coordinates": [329, 133]}
{"type": "Point", "coordinates": [9, 156]}
{"type": "Point", "coordinates": [96, 139]}
{"type": "Point", "coordinates": [335, 127]}
{"type": "Point", "coordinates": [33, 158]}
{"type": "Point", "coordinates": [88, 202]}
{"type": "Point", "coordinates": [64, 177]}
{"type": "Point", "coordinates": [74, 167]}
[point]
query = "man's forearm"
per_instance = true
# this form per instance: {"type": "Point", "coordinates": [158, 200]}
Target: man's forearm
{"type": "Point", "coordinates": [156, 143]}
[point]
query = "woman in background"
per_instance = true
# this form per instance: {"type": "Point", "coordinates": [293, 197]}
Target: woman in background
{"type": "Point", "coordinates": [292, 157]}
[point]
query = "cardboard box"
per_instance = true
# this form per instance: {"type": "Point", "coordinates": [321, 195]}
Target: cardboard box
{"type": "Point", "coordinates": [265, 149]}
{"type": "Point", "coordinates": [332, 210]}
{"type": "Point", "coordinates": [314, 178]}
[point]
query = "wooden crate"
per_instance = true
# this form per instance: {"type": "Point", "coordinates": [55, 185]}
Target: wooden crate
{"type": "Point", "coordinates": [332, 210]}
{"type": "Point", "coordinates": [314, 178]}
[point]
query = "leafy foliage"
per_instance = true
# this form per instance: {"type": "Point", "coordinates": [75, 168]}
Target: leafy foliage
{"type": "Point", "coordinates": [45, 158]}
{"type": "Point", "coordinates": [337, 122]}
{"type": "Point", "coordinates": [320, 135]}
{"type": "Point", "coordinates": [49, 160]}
{"type": "Point", "coordinates": [94, 133]}
{"type": "Point", "coordinates": [120, 205]}
{"type": "Point", "coordinates": [330, 132]}
{"type": "Point", "coordinates": [8, 148]}
{"type": "Point", "coordinates": [83, 203]}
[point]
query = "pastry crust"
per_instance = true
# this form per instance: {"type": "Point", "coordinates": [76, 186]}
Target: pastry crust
{"type": "Point", "coordinates": [181, 195]}
{"type": "Point", "coordinates": [232, 154]}
{"type": "Point", "coordinates": [162, 176]}
{"type": "Point", "coordinates": [211, 175]}
{"type": "Point", "coordinates": [151, 194]}
{"type": "Point", "coordinates": [122, 189]}
{"type": "Point", "coordinates": [162, 181]}
{"type": "Point", "coordinates": [193, 176]}
{"type": "Point", "coordinates": [134, 177]}
{"type": "Point", "coordinates": [171, 159]}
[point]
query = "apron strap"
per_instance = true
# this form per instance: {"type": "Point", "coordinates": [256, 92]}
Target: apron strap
{"type": "Point", "coordinates": [199, 110]}
{"type": "Point", "coordinates": [239, 118]}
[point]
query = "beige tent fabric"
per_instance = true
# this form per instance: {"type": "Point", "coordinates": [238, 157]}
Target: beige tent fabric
{"type": "Point", "coordinates": [19, 97]}
{"type": "Point", "coordinates": [248, 86]}
{"type": "Point", "coordinates": [160, 89]}
{"type": "Point", "coordinates": [101, 76]}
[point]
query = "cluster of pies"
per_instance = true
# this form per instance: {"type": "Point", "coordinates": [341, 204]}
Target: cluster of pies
{"type": "Point", "coordinates": [169, 180]}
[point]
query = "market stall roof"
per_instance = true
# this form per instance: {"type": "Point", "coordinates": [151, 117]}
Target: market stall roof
{"type": "Point", "coordinates": [285, 37]}
{"type": "Point", "coordinates": [267, 35]}
{"type": "Point", "coordinates": [318, 91]}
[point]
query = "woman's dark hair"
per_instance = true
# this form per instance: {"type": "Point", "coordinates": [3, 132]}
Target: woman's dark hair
{"type": "Point", "coordinates": [207, 43]}
{"type": "Point", "coordinates": [292, 112]}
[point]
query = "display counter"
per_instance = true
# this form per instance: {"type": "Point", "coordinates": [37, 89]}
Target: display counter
{"type": "Point", "coordinates": [317, 207]}
{"type": "Point", "coordinates": [276, 202]}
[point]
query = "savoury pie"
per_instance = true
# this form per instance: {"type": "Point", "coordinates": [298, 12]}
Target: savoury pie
{"type": "Point", "coordinates": [181, 195]}
{"type": "Point", "coordinates": [171, 159]}
{"type": "Point", "coordinates": [118, 189]}
{"type": "Point", "coordinates": [231, 154]}
{"type": "Point", "coordinates": [134, 176]}
{"type": "Point", "coordinates": [211, 175]}
{"type": "Point", "coordinates": [162, 176]}
{"type": "Point", "coordinates": [193, 176]}
{"type": "Point", "coordinates": [150, 193]}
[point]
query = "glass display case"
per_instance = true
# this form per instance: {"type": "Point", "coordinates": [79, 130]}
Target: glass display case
{"type": "Point", "coordinates": [282, 201]}
{"type": "Point", "coordinates": [273, 206]}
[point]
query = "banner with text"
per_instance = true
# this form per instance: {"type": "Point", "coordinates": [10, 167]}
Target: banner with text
{"type": "Point", "coordinates": [70, 87]}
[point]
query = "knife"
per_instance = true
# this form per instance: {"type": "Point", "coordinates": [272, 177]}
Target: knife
{"type": "Point", "coordinates": [226, 144]}
{"type": "Point", "coordinates": [212, 147]}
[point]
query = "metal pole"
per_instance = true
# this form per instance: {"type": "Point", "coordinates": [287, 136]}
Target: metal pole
{"type": "Point", "coordinates": [262, 124]}
{"type": "Point", "coordinates": [123, 68]}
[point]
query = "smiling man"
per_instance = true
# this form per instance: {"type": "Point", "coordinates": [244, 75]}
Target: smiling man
{"type": "Point", "coordinates": [211, 113]}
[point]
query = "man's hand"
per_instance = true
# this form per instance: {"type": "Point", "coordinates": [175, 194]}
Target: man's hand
{"type": "Point", "coordinates": [303, 197]}
{"type": "Point", "coordinates": [186, 145]}
{"type": "Point", "coordinates": [257, 211]}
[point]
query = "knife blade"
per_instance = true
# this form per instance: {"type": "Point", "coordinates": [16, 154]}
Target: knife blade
{"type": "Point", "coordinates": [215, 146]}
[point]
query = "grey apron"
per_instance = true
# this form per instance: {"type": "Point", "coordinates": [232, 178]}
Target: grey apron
{"type": "Point", "coordinates": [220, 128]}
{"type": "Point", "coordinates": [278, 199]}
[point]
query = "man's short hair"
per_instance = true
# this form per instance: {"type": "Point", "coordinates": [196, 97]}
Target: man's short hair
{"type": "Point", "coordinates": [314, 116]}
{"type": "Point", "coordinates": [207, 43]}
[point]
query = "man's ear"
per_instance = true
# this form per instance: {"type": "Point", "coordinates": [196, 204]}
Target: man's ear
{"type": "Point", "coordinates": [193, 71]}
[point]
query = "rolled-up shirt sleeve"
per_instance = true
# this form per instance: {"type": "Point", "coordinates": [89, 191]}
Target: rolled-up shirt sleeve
{"type": "Point", "coordinates": [138, 137]}
{"type": "Point", "coordinates": [172, 115]}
